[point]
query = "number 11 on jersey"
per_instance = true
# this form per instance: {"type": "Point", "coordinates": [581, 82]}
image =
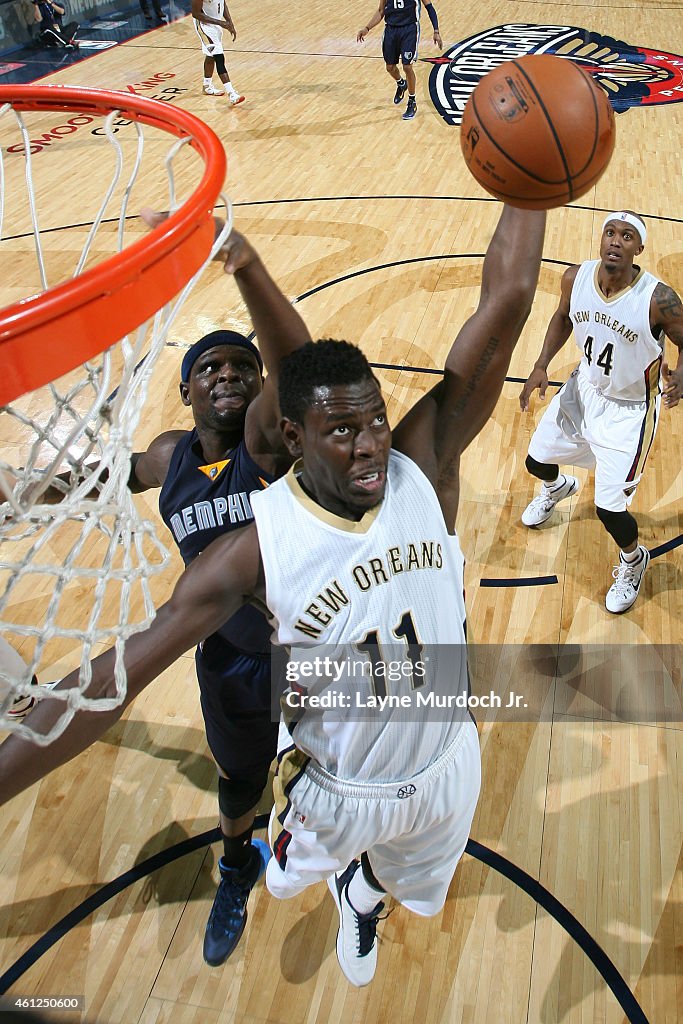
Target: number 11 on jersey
{"type": "Point", "coordinates": [371, 645]}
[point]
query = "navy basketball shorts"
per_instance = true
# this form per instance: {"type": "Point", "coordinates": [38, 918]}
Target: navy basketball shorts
{"type": "Point", "coordinates": [399, 43]}
{"type": "Point", "coordinates": [235, 691]}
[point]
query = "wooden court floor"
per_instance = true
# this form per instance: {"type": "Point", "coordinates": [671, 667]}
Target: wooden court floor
{"type": "Point", "coordinates": [569, 906]}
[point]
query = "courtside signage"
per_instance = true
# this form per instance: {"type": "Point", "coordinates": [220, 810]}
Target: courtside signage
{"type": "Point", "coordinates": [631, 75]}
{"type": "Point", "coordinates": [163, 93]}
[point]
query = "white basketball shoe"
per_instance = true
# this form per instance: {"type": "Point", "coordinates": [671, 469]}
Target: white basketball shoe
{"type": "Point", "coordinates": [627, 579]}
{"type": "Point", "coordinates": [541, 507]}
{"type": "Point", "coordinates": [357, 935]}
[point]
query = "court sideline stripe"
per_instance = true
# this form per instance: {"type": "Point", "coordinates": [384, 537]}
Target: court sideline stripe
{"type": "Point", "coordinates": [531, 886]}
{"type": "Point", "coordinates": [343, 199]}
{"type": "Point", "coordinates": [539, 894]}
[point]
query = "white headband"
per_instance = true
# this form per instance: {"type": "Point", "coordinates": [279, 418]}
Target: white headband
{"type": "Point", "coordinates": [631, 219]}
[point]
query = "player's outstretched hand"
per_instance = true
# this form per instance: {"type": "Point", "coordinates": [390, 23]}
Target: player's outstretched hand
{"type": "Point", "coordinates": [360, 38]}
{"type": "Point", "coordinates": [538, 378]}
{"type": "Point", "coordinates": [153, 218]}
{"type": "Point", "coordinates": [437, 40]}
{"type": "Point", "coordinates": [673, 386]}
{"type": "Point", "coordinates": [235, 253]}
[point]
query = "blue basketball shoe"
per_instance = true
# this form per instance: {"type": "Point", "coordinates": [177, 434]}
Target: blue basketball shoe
{"type": "Point", "coordinates": [228, 915]}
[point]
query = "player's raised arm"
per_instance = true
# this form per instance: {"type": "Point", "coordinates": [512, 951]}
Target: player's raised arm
{"type": "Point", "coordinates": [279, 330]}
{"type": "Point", "coordinates": [210, 590]}
{"type": "Point", "coordinates": [557, 333]}
{"type": "Point", "coordinates": [279, 327]}
{"type": "Point", "coordinates": [442, 424]}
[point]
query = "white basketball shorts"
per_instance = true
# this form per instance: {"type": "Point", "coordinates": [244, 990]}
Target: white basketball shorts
{"type": "Point", "coordinates": [583, 428]}
{"type": "Point", "coordinates": [414, 832]}
{"type": "Point", "coordinates": [211, 38]}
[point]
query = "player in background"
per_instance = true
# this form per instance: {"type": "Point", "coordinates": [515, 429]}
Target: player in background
{"type": "Point", "coordinates": [210, 18]}
{"type": "Point", "coordinates": [606, 415]}
{"type": "Point", "coordinates": [400, 42]}
{"type": "Point", "coordinates": [384, 806]}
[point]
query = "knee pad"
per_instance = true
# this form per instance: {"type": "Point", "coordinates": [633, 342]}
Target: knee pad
{"type": "Point", "coordinates": [542, 470]}
{"type": "Point", "coordinates": [620, 525]}
{"type": "Point", "coordinates": [237, 796]}
{"type": "Point", "coordinates": [220, 63]}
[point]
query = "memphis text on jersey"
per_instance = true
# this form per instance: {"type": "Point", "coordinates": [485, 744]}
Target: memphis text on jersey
{"type": "Point", "coordinates": [207, 515]}
{"type": "Point", "coordinates": [373, 573]}
{"type": "Point", "coordinates": [583, 316]}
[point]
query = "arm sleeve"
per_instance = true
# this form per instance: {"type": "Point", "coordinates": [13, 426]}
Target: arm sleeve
{"type": "Point", "coordinates": [429, 8]}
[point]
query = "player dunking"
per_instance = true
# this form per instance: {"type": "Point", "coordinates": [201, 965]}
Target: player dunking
{"type": "Point", "coordinates": [606, 415]}
{"type": "Point", "coordinates": [400, 42]}
{"type": "Point", "coordinates": [367, 552]}
{"type": "Point", "coordinates": [210, 18]}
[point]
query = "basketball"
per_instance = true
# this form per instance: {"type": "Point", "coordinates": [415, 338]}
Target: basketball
{"type": "Point", "coordinates": [537, 132]}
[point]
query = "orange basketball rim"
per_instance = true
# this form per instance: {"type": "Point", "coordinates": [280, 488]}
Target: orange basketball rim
{"type": "Point", "coordinates": [47, 335]}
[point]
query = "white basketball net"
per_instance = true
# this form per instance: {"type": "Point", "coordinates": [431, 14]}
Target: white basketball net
{"type": "Point", "coordinates": [74, 572]}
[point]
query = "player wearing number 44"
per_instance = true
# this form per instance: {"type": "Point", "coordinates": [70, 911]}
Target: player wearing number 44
{"type": "Point", "coordinates": [606, 414]}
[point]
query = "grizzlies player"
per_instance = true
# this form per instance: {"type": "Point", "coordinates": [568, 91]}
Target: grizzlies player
{"type": "Point", "coordinates": [369, 558]}
{"type": "Point", "coordinates": [210, 18]}
{"type": "Point", "coordinates": [207, 476]}
{"type": "Point", "coordinates": [606, 414]}
{"type": "Point", "coordinates": [400, 42]}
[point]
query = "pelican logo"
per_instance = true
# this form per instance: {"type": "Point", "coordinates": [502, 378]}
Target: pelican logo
{"type": "Point", "coordinates": [406, 791]}
{"type": "Point", "coordinates": [632, 76]}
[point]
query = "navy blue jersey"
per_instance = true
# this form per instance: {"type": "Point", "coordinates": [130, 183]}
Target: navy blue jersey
{"type": "Point", "coordinates": [402, 12]}
{"type": "Point", "coordinates": [200, 502]}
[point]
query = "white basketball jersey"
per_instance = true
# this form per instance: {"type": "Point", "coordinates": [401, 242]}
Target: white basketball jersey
{"type": "Point", "coordinates": [620, 355]}
{"type": "Point", "coordinates": [213, 8]}
{"type": "Point", "coordinates": [382, 600]}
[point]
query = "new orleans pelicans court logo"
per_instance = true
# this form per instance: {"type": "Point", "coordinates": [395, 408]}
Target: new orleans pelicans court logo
{"type": "Point", "coordinates": [632, 76]}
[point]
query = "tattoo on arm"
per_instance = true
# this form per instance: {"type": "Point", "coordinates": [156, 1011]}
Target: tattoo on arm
{"type": "Point", "coordinates": [671, 312]}
{"type": "Point", "coordinates": [472, 384]}
{"type": "Point", "coordinates": [449, 467]}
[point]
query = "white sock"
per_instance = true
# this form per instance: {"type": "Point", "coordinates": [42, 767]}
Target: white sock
{"type": "Point", "coordinates": [559, 482]}
{"type": "Point", "coordinates": [363, 897]}
{"type": "Point", "coordinates": [631, 557]}
{"type": "Point", "coordinates": [230, 89]}
{"type": "Point", "coordinates": [207, 83]}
